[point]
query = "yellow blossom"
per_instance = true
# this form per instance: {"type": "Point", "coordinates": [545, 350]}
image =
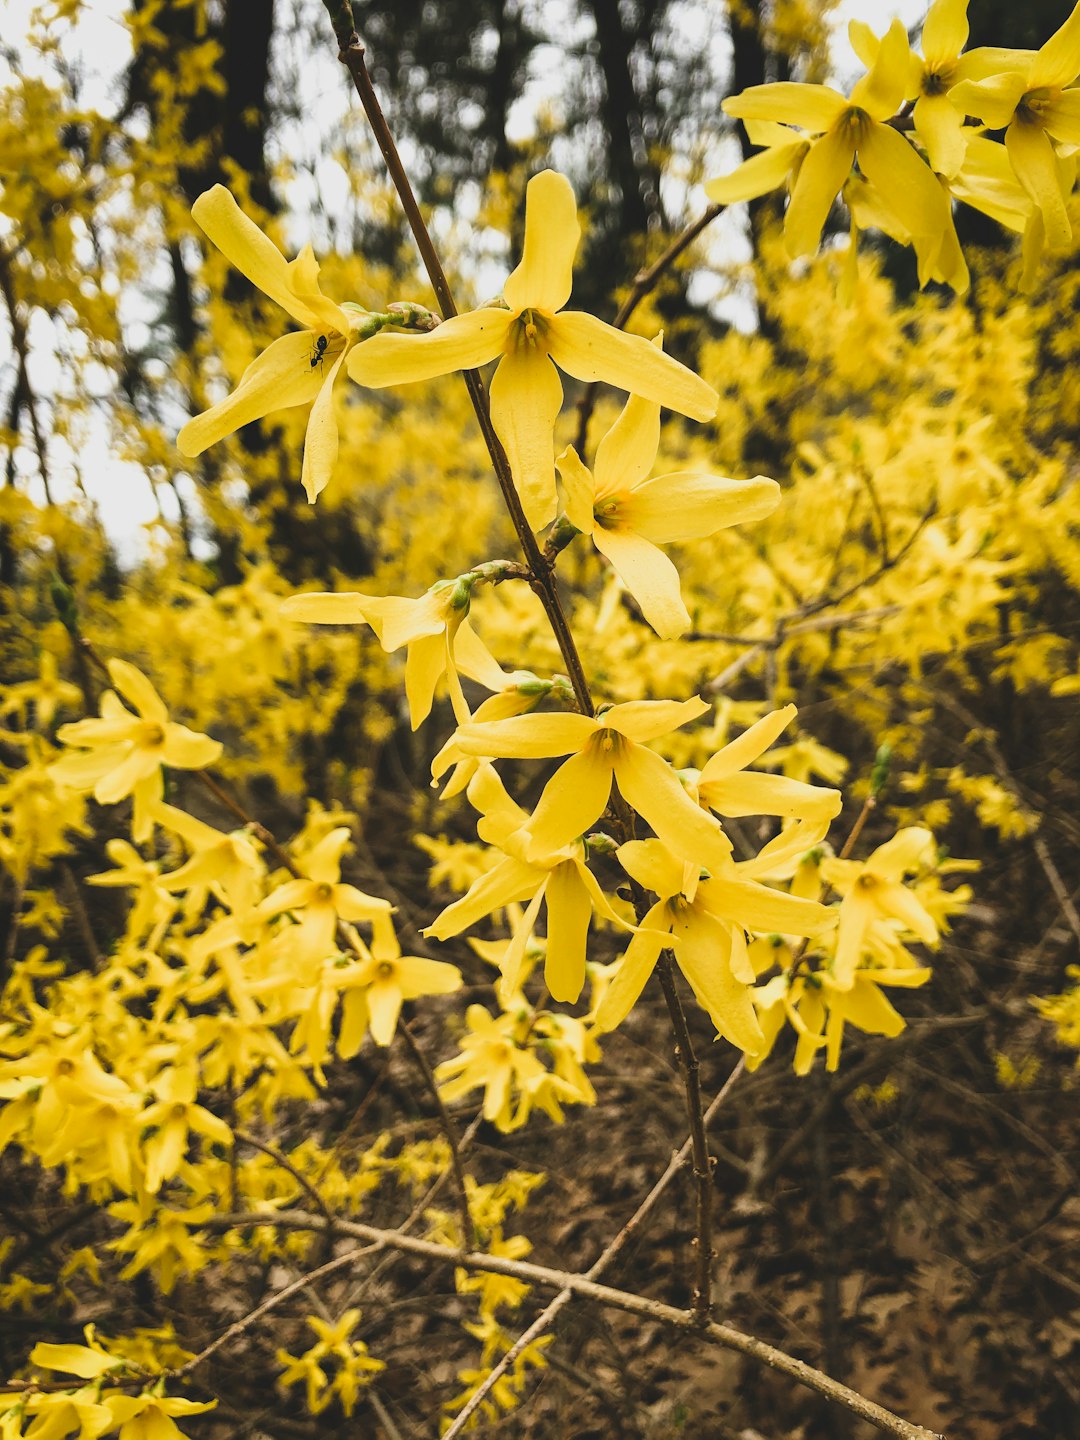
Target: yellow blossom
{"type": "Point", "coordinates": [532, 336]}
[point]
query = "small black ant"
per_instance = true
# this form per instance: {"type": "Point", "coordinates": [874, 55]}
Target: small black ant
{"type": "Point", "coordinates": [318, 350]}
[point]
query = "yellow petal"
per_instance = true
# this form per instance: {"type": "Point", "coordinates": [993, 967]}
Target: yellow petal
{"type": "Point", "coordinates": [251, 252]}
{"type": "Point", "coordinates": [425, 666]}
{"type": "Point", "coordinates": [814, 107]}
{"type": "Point", "coordinates": [569, 911]}
{"type": "Point", "coordinates": [760, 908]}
{"type": "Point", "coordinates": [419, 976]}
{"type": "Point", "coordinates": [526, 397]}
{"type": "Point", "coordinates": [73, 1359]}
{"type": "Point", "coordinates": [864, 41]}
{"type": "Point", "coordinates": [545, 275]}
{"type": "Point", "coordinates": [739, 753]}
{"type": "Point", "coordinates": [650, 785]}
{"type": "Point", "coordinates": [474, 659]}
{"type": "Point", "coordinates": [384, 1007]}
{"type": "Point", "coordinates": [823, 172]}
{"type": "Point", "coordinates": [321, 440]}
{"type": "Point", "coordinates": [752, 794]}
{"type": "Point", "coordinates": [653, 866]}
{"type": "Point", "coordinates": [756, 176]}
{"type": "Point", "coordinates": [626, 453]}
{"type": "Point", "coordinates": [993, 100]}
{"type": "Point", "coordinates": [462, 343]}
{"type": "Point", "coordinates": [589, 350]}
{"type": "Point", "coordinates": [511, 880]}
{"type": "Point", "coordinates": [637, 964]}
{"type": "Point", "coordinates": [704, 957]}
{"type": "Point", "coordinates": [280, 377]}
{"type": "Point", "coordinates": [940, 126]}
{"type": "Point", "coordinates": [642, 720]}
{"type": "Point", "coordinates": [1057, 63]}
{"type": "Point", "coordinates": [118, 783]}
{"type": "Point", "coordinates": [187, 750]}
{"type": "Point", "coordinates": [945, 31]}
{"type": "Point", "coordinates": [865, 1006]}
{"type": "Point", "coordinates": [579, 489]}
{"type": "Point", "coordinates": [527, 737]}
{"type": "Point", "coordinates": [137, 691]}
{"type": "Point", "coordinates": [684, 506]}
{"type": "Point", "coordinates": [650, 577]}
{"type": "Point", "coordinates": [881, 92]}
{"type": "Point", "coordinates": [573, 800]}
{"type": "Point", "coordinates": [902, 904]}
{"type": "Point", "coordinates": [514, 954]}
{"type": "Point", "coordinates": [1061, 117]}
{"type": "Point", "coordinates": [856, 913]}
{"type": "Point", "coordinates": [910, 849]}
{"type": "Point", "coordinates": [914, 195]}
{"type": "Point", "coordinates": [303, 281]}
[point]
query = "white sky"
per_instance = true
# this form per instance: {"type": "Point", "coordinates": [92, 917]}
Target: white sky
{"type": "Point", "coordinates": [120, 489]}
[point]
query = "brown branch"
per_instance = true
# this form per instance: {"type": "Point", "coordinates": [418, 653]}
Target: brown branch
{"type": "Point", "coordinates": [542, 577]}
{"type": "Point", "coordinates": [546, 1318]}
{"type": "Point", "coordinates": [580, 1286]}
{"type": "Point", "coordinates": [449, 1129]}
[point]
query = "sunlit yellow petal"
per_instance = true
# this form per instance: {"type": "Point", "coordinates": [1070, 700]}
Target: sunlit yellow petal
{"type": "Point", "coordinates": [643, 720]}
{"type": "Point", "coordinates": [824, 170]}
{"type": "Point", "coordinates": [321, 440]}
{"type": "Point", "coordinates": [756, 176]}
{"type": "Point", "coordinates": [1058, 61]}
{"type": "Point", "coordinates": [419, 976]}
{"type": "Point", "coordinates": [545, 275]}
{"type": "Point", "coordinates": [578, 488]}
{"type": "Point", "coordinates": [814, 107]}
{"type": "Point", "coordinates": [653, 866]}
{"type": "Point", "coordinates": [684, 506]}
{"type": "Point", "coordinates": [940, 126]}
{"type": "Point", "coordinates": [526, 396]}
{"type": "Point", "coordinates": [945, 31]}
{"type": "Point", "coordinates": [384, 1007]}
{"type": "Point", "coordinates": [993, 100]}
{"type": "Point", "coordinates": [527, 737]}
{"type": "Point", "coordinates": [626, 453]}
{"type": "Point", "coordinates": [704, 957]}
{"type": "Point", "coordinates": [747, 747]}
{"type": "Point", "coordinates": [650, 785]}
{"type": "Point", "coordinates": [573, 800]}
{"type": "Point", "coordinates": [137, 690]}
{"type": "Point", "coordinates": [247, 249]}
{"type": "Point", "coordinates": [511, 880]}
{"type": "Point", "coordinates": [856, 914]}
{"type": "Point", "coordinates": [881, 92]}
{"type": "Point", "coordinates": [188, 750]}
{"type": "Point", "coordinates": [637, 964]}
{"type": "Point", "coordinates": [650, 577]}
{"type": "Point", "coordinates": [424, 667]}
{"type": "Point", "coordinates": [569, 911]}
{"type": "Point", "coordinates": [118, 783]}
{"type": "Point", "coordinates": [752, 794]}
{"type": "Point", "coordinates": [589, 350]}
{"type": "Point", "coordinates": [757, 907]}
{"type": "Point", "coordinates": [280, 377]}
{"type": "Point", "coordinates": [914, 195]}
{"type": "Point", "coordinates": [462, 343]}
{"type": "Point", "coordinates": [302, 275]}
{"type": "Point", "coordinates": [1061, 117]}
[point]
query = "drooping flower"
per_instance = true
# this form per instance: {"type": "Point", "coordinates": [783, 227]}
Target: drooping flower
{"type": "Point", "coordinates": [298, 369]}
{"type": "Point", "coordinates": [532, 336]}
{"type": "Point", "coordinates": [628, 515]}
{"type": "Point", "coordinates": [439, 639]}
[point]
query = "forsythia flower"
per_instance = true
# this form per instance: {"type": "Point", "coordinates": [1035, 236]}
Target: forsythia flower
{"type": "Point", "coordinates": [610, 747]}
{"type": "Point", "coordinates": [1031, 99]}
{"type": "Point", "coordinates": [125, 752]}
{"type": "Point", "coordinates": [298, 369]}
{"type": "Point", "coordinates": [628, 515]}
{"type": "Point", "coordinates": [439, 639]}
{"type": "Point", "coordinates": [707, 936]}
{"type": "Point", "coordinates": [846, 129]}
{"type": "Point", "coordinates": [873, 889]}
{"type": "Point", "coordinates": [389, 978]}
{"type": "Point", "coordinates": [531, 337]}
{"type": "Point", "coordinates": [726, 786]}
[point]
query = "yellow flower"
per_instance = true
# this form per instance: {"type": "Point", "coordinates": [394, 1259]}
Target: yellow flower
{"type": "Point", "coordinates": [125, 752]}
{"type": "Point", "coordinates": [439, 639]}
{"type": "Point", "coordinates": [562, 880]}
{"type": "Point", "coordinates": [47, 693]}
{"type": "Point", "coordinates": [388, 978]}
{"type": "Point", "coordinates": [173, 1116]}
{"type": "Point", "coordinates": [150, 1417]}
{"type": "Point", "coordinates": [846, 128]}
{"type": "Point", "coordinates": [628, 515]}
{"type": "Point", "coordinates": [707, 934]}
{"type": "Point", "coordinates": [1032, 101]}
{"type": "Point", "coordinates": [531, 337]}
{"type": "Point", "coordinates": [609, 747]}
{"type": "Point", "coordinates": [725, 785]}
{"type": "Point", "coordinates": [298, 369]}
{"type": "Point", "coordinates": [873, 890]}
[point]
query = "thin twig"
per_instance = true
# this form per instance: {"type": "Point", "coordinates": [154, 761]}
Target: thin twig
{"type": "Point", "coordinates": [540, 1275]}
{"type": "Point", "coordinates": [246, 1138]}
{"type": "Point", "coordinates": [468, 1230]}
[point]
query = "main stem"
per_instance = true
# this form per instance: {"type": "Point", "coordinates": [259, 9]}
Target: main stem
{"type": "Point", "coordinates": [541, 571]}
